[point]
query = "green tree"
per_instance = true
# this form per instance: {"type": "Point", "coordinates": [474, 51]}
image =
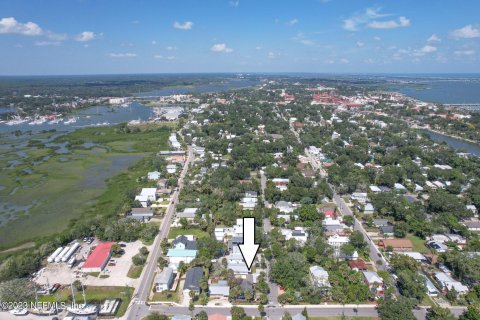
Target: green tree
{"type": "Point", "coordinates": [16, 290]}
{"type": "Point", "coordinates": [439, 313]}
{"type": "Point", "coordinates": [390, 309]}
{"type": "Point", "coordinates": [202, 315]}
{"type": "Point", "coordinates": [308, 213]}
{"type": "Point", "coordinates": [238, 313]}
{"type": "Point", "coordinates": [472, 313]}
{"type": "Point", "coordinates": [156, 316]}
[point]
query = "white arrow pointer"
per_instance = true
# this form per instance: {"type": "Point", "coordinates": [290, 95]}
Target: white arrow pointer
{"type": "Point", "coordinates": [248, 248]}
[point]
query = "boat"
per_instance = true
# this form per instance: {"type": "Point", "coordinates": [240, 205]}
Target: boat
{"type": "Point", "coordinates": [16, 120]}
{"type": "Point", "coordinates": [19, 312]}
{"type": "Point", "coordinates": [81, 309]}
{"type": "Point", "coordinates": [55, 121]}
{"type": "Point", "coordinates": [70, 120]}
{"type": "Point", "coordinates": [38, 121]}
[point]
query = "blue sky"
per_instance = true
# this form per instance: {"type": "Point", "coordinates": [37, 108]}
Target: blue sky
{"type": "Point", "coordinates": [119, 36]}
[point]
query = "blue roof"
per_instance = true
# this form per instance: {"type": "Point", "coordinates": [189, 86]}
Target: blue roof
{"type": "Point", "coordinates": [181, 253]}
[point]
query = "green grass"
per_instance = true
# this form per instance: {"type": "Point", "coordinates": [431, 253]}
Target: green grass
{"type": "Point", "coordinates": [134, 272]}
{"type": "Point", "coordinates": [170, 296]}
{"type": "Point", "coordinates": [418, 244]}
{"type": "Point", "coordinates": [93, 295]}
{"type": "Point", "coordinates": [176, 231]}
{"type": "Point", "coordinates": [61, 191]}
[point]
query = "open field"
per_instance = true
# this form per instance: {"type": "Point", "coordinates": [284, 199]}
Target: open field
{"type": "Point", "coordinates": [176, 231]}
{"type": "Point", "coordinates": [46, 183]}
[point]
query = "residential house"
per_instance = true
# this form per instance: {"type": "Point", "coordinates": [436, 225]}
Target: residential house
{"type": "Point", "coordinates": [380, 222]}
{"type": "Point", "coordinates": [298, 316]}
{"type": "Point", "coordinates": [147, 196]}
{"type": "Point", "coordinates": [171, 168]}
{"type": "Point", "coordinates": [187, 213]}
{"type": "Point", "coordinates": [336, 242]}
{"type": "Point", "coordinates": [141, 214]}
{"type": "Point", "coordinates": [235, 262]}
{"type": "Point", "coordinates": [361, 197]}
{"type": "Point", "coordinates": [446, 283]}
{"type": "Point", "coordinates": [154, 175]}
{"type": "Point", "coordinates": [164, 280]}
{"type": "Point", "coordinates": [374, 282]}
{"type": "Point", "coordinates": [298, 234]}
{"type": "Point", "coordinates": [357, 265]}
{"type": "Point", "coordinates": [219, 290]}
{"type": "Point", "coordinates": [387, 231]}
{"type": "Point", "coordinates": [368, 208]}
{"type": "Point", "coordinates": [440, 247]}
{"type": "Point", "coordinates": [192, 280]}
{"type": "Point", "coordinates": [184, 249]}
{"type": "Point", "coordinates": [417, 256]}
{"type": "Point", "coordinates": [281, 183]}
{"type": "Point", "coordinates": [319, 277]}
{"type": "Point", "coordinates": [285, 207]}
{"type": "Point", "coordinates": [181, 317]}
{"type": "Point", "coordinates": [472, 225]}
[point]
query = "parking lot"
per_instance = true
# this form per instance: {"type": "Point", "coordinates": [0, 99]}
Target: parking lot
{"type": "Point", "coordinates": [114, 274]}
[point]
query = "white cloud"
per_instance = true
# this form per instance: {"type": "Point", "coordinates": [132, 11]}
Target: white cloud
{"type": "Point", "coordinates": [433, 39]}
{"type": "Point", "coordinates": [300, 37]}
{"type": "Point", "coordinates": [360, 44]}
{"type": "Point", "coordinates": [235, 3]}
{"type": "Point", "coordinates": [271, 55]}
{"type": "Point", "coordinates": [171, 48]}
{"type": "Point", "coordinates": [85, 36]}
{"type": "Point", "coordinates": [390, 24]}
{"type": "Point", "coordinates": [56, 36]}
{"type": "Point", "coordinates": [467, 32]}
{"type": "Point", "coordinates": [158, 56]}
{"type": "Point", "coordinates": [464, 52]}
{"type": "Point", "coordinates": [377, 38]}
{"type": "Point", "coordinates": [329, 61]}
{"type": "Point", "coordinates": [221, 47]}
{"type": "Point", "coordinates": [11, 26]}
{"type": "Point", "coordinates": [47, 43]}
{"type": "Point", "coordinates": [353, 23]}
{"type": "Point", "coordinates": [344, 61]}
{"type": "Point", "coordinates": [122, 55]}
{"type": "Point", "coordinates": [187, 25]}
{"type": "Point", "coordinates": [293, 22]}
{"type": "Point", "coordinates": [154, 42]}
{"type": "Point", "coordinates": [258, 48]}
{"type": "Point", "coordinates": [423, 51]}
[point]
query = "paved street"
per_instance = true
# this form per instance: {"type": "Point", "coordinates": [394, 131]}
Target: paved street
{"type": "Point", "coordinates": [137, 308]}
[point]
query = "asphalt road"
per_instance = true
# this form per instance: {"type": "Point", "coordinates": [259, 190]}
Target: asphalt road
{"type": "Point", "coordinates": [374, 253]}
{"type": "Point", "coordinates": [137, 308]}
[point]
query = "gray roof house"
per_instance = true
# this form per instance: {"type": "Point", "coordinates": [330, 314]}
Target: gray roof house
{"type": "Point", "coordinates": [192, 280]}
{"type": "Point", "coordinates": [164, 280]}
{"type": "Point", "coordinates": [220, 289]}
{"type": "Point", "coordinates": [188, 213]}
{"type": "Point", "coordinates": [387, 230]}
{"type": "Point", "coordinates": [182, 242]}
{"type": "Point", "coordinates": [380, 222]}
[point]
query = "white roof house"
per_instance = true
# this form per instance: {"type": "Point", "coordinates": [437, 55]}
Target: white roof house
{"type": "Point", "coordinates": [375, 189]}
{"type": "Point", "coordinates": [147, 195]}
{"type": "Point", "coordinates": [319, 276]}
{"type": "Point", "coordinates": [447, 283]}
{"type": "Point", "coordinates": [298, 234]}
{"type": "Point", "coordinates": [154, 175]}
{"type": "Point", "coordinates": [399, 187]}
{"type": "Point", "coordinates": [171, 168]}
{"type": "Point", "coordinates": [360, 196]}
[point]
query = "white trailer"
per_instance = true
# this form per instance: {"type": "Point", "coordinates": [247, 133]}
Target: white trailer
{"type": "Point", "coordinates": [71, 251]}
{"type": "Point", "coordinates": [54, 254]}
{"type": "Point", "coordinates": [61, 254]}
{"type": "Point", "coordinates": [71, 262]}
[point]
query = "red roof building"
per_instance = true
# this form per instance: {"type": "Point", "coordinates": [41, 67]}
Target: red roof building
{"type": "Point", "coordinates": [357, 265]}
{"type": "Point", "coordinates": [98, 259]}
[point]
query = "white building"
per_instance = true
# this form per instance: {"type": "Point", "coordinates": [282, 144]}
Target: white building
{"type": "Point", "coordinates": [148, 195]}
{"type": "Point", "coordinates": [319, 277]}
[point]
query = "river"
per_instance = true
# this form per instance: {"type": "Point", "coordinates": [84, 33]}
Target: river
{"type": "Point", "coordinates": [457, 144]}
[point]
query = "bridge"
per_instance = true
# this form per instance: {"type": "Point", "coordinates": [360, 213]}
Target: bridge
{"type": "Point", "coordinates": [466, 106]}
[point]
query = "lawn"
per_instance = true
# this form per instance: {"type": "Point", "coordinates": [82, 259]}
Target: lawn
{"type": "Point", "coordinates": [134, 272]}
{"type": "Point", "coordinates": [95, 295]}
{"type": "Point", "coordinates": [169, 296]}
{"type": "Point", "coordinates": [44, 191]}
{"type": "Point", "coordinates": [176, 231]}
{"type": "Point", "coordinates": [418, 244]}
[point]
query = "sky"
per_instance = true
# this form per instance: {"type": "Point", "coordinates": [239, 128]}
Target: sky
{"type": "Point", "coordinates": [51, 37]}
